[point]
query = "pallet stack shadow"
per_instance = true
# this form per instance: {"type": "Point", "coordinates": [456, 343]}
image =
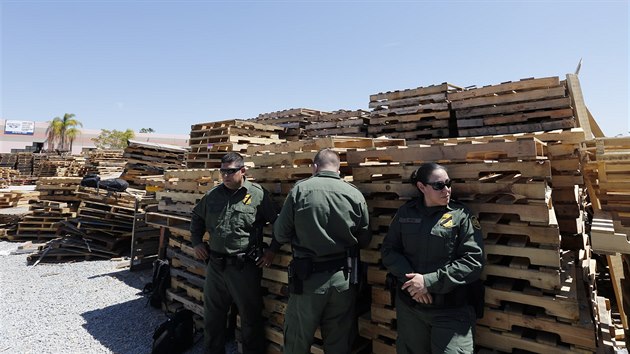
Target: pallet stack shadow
{"type": "Point", "coordinates": [413, 114]}
{"type": "Point", "coordinates": [210, 141]}
{"type": "Point", "coordinates": [149, 159]}
{"type": "Point", "coordinates": [535, 297]}
{"type": "Point", "coordinates": [277, 168]}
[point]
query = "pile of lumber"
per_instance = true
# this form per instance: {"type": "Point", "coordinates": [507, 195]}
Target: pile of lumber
{"type": "Point", "coordinates": [8, 160]}
{"type": "Point", "coordinates": [105, 162]}
{"type": "Point", "coordinates": [210, 141]}
{"type": "Point", "coordinates": [293, 121]}
{"type": "Point", "coordinates": [102, 228]}
{"type": "Point", "coordinates": [412, 114]}
{"type": "Point", "coordinates": [61, 189]}
{"type": "Point", "coordinates": [340, 122]}
{"type": "Point", "coordinates": [8, 224]}
{"type": "Point", "coordinates": [607, 165]}
{"type": "Point", "coordinates": [6, 175]}
{"type": "Point", "coordinates": [25, 163]}
{"type": "Point", "coordinates": [148, 159]}
{"type": "Point", "coordinates": [17, 198]}
{"type": "Point", "coordinates": [53, 165]}
{"type": "Point", "coordinates": [527, 105]}
{"type": "Point", "coordinates": [43, 220]}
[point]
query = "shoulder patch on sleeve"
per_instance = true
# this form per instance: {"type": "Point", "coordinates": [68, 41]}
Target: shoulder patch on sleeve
{"type": "Point", "coordinates": [475, 222]}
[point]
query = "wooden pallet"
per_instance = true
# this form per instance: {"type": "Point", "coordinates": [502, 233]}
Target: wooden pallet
{"type": "Point", "coordinates": [465, 152]}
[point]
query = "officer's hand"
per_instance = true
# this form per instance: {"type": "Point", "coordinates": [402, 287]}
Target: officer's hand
{"type": "Point", "coordinates": [424, 298]}
{"type": "Point", "coordinates": [415, 284]}
{"type": "Point", "coordinates": [266, 259]}
{"type": "Point", "coordinates": [201, 252]}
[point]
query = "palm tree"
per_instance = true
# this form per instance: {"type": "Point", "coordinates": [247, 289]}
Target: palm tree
{"type": "Point", "coordinates": [63, 130]}
{"type": "Point", "coordinates": [72, 134]}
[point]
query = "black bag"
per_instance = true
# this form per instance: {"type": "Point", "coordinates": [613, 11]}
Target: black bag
{"type": "Point", "coordinates": [114, 185]}
{"type": "Point", "coordinates": [156, 289]}
{"type": "Point", "coordinates": [91, 180]}
{"type": "Point", "coordinates": [175, 335]}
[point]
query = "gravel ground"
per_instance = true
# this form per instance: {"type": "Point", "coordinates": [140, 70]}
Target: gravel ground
{"type": "Point", "coordinates": [81, 307]}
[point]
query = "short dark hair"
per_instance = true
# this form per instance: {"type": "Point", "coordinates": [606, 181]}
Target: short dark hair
{"type": "Point", "coordinates": [424, 171]}
{"type": "Point", "coordinates": [327, 158]}
{"type": "Point", "coordinates": [233, 157]}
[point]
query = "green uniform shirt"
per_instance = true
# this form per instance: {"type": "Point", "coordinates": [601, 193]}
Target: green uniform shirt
{"type": "Point", "coordinates": [323, 216]}
{"type": "Point", "coordinates": [232, 218]}
{"type": "Point", "coordinates": [443, 243]}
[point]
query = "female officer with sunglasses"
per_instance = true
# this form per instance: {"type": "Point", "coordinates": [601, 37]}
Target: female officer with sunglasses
{"type": "Point", "coordinates": [434, 250]}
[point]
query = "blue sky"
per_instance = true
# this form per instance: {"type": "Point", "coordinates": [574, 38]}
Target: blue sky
{"type": "Point", "coordinates": [170, 64]}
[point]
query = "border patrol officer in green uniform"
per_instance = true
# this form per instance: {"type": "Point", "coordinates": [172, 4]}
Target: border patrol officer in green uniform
{"type": "Point", "coordinates": [325, 219]}
{"type": "Point", "coordinates": [233, 213]}
{"type": "Point", "coordinates": [434, 248]}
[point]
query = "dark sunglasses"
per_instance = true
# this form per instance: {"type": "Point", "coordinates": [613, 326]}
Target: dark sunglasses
{"type": "Point", "coordinates": [230, 171]}
{"type": "Point", "coordinates": [438, 186]}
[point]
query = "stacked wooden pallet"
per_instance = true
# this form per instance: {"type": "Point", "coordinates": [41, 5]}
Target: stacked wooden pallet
{"type": "Point", "coordinates": [43, 220]}
{"type": "Point", "coordinates": [292, 120]}
{"type": "Point", "coordinates": [6, 175]}
{"type": "Point", "coordinates": [102, 229]}
{"type": "Point", "coordinates": [607, 162]}
{"type": "Point", "coordinates": [148, 159]}
{"type": "Point", "coordinates": [412, 114]}
{"type": "Point", "coordinates": [210, 141]}
{"type": "Point", "coordinates": [528, 276]}
{"type": "Point", "coordinates": [105, 162]}
{"type": "Point", "coordinates": [8, 224]}
{"type": "Point", "coordinates": [341, 123]}
{"type": "Point", "coordinates": [8, 160]}
{"type": "Point", "coordinates": [25, 163]}
{"type": "Point", "coordinates": [144, 238]}
{"type": "Point", "coordinates": [527, 105]}
{"type": "Point", "coordinates": [8, 199]}
{"type": "Point", "coordinates": [181, 192]}
{"type": "Point", "coordinates": [61, 189]}
{"type": "Point", "coordinates": [45, 165]}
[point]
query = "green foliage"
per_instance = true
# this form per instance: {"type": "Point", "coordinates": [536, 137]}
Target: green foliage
{"type": "Point", "coordinates": [61, 132]}
{"type": "Point", "coordinates": [146, 130]}
{"type": "Point", "coordinates": [113, 139]}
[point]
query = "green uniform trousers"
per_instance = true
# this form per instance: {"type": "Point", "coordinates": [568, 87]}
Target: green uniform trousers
{"type": "Point", "coordinates": [431, 330]}
{"type": "Point", "coordinates": [333, 311]}
{"type": "Point", "coordinates": [241, 286]}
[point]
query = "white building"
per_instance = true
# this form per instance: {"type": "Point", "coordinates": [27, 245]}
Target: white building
{"type": "Point", "coordinates": [20, 135]}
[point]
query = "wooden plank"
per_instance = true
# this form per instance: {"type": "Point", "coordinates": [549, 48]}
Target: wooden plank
{"type": "Point", "coordinates": [508, 343]}
{"type": "Point", "coordinates": [581, 113]}
{"type": "Point", "coordinates": [527, 212]}
{"type": "Point", "coordinates": [558, 103]}
{"type": "Point", "coordinates": [533, 95]}
{"type": "Point", "coordinates": [615, 268]}
{"type": "Point", "coordinates": [548, 280]}
{"type": "Point", "coordinates": [526, 84]}
{"type": "Point", "coordinates": [577, 334]}
{"type": "Point", "coordinates": [521, 149]}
